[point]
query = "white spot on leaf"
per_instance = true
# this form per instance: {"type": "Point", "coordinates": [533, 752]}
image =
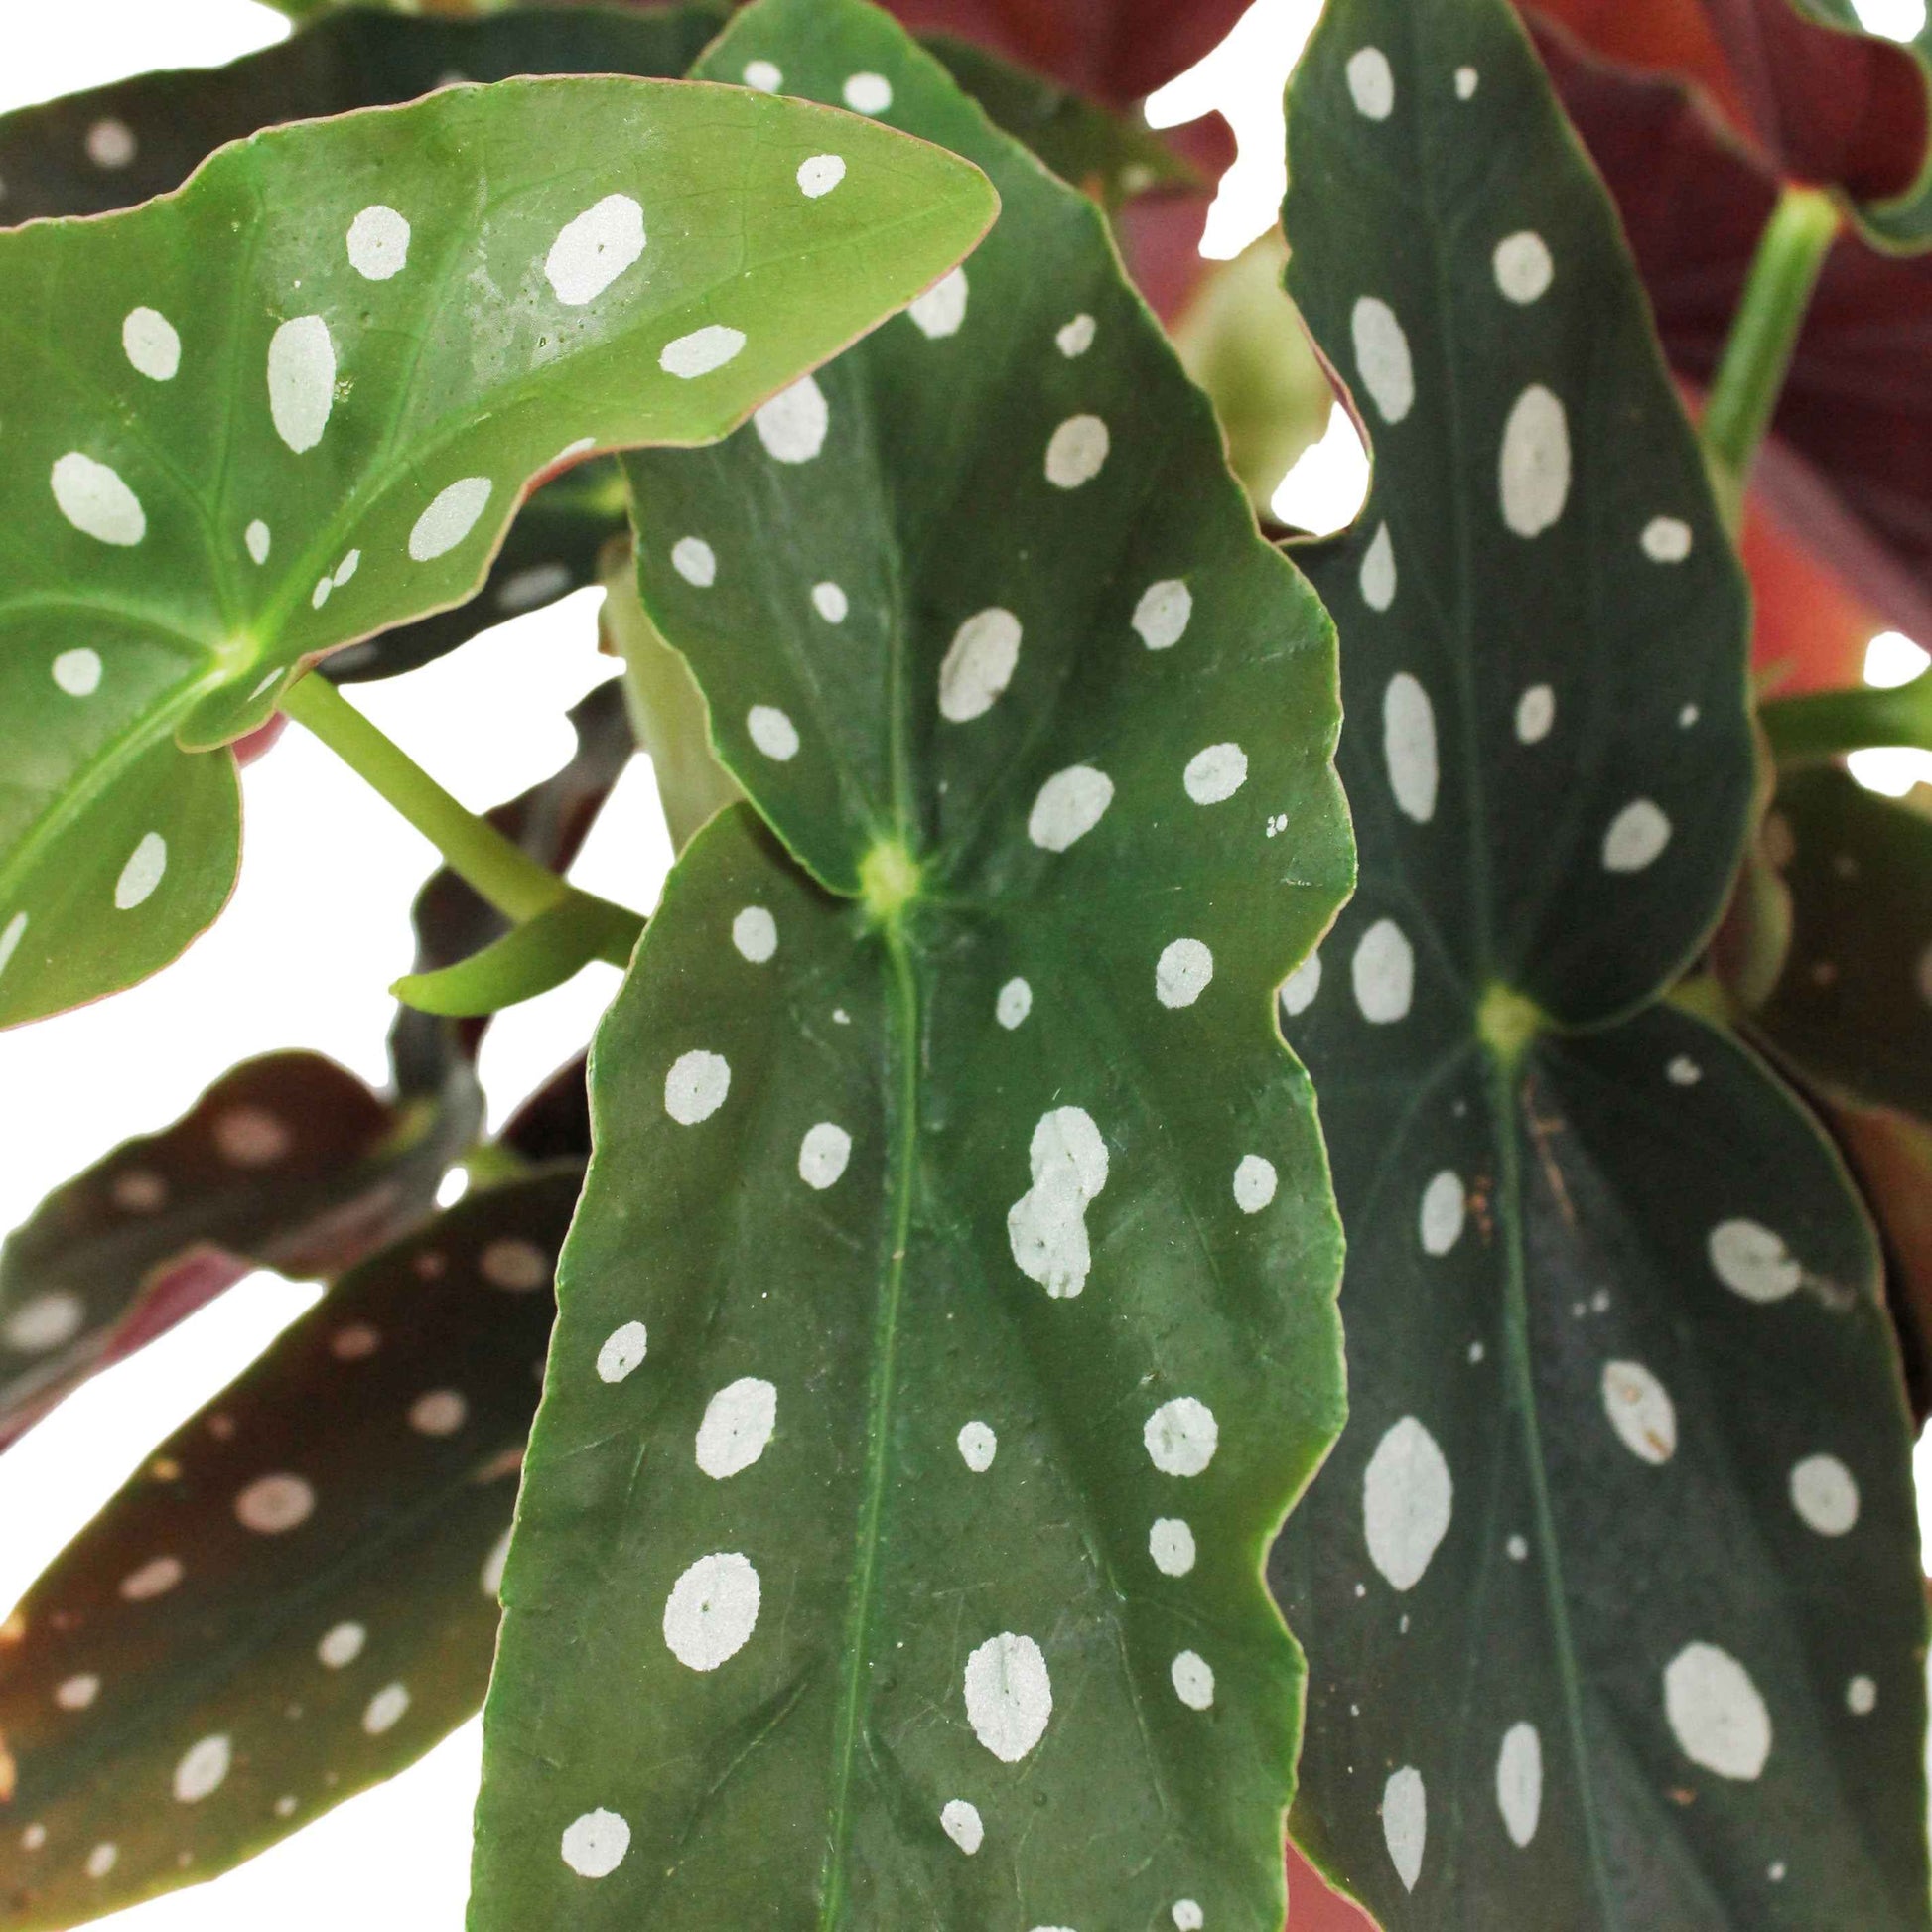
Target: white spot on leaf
{"type": "Point", "coordinates": [1405, 1823]}
{"type": "Point", "coordinates": [1519, 1782]}
{"type": "Point", "coordinates": [738, 1423]}
{"type": "Point", "coordinates": [792, 425]}
{"type": "Point", "coordinates": [712, 1610]}
{"type": "Point", "coordinates": [960, 1821]}
{"type": "Point", "coordinates": [1009, 1695]}
{"type": "Point", "coordinates": [1076, 452]}
{"type": "Point", "coordinates": [98, 504]}
{"type": "Point", "coordinates": [696, 1086]}
{"type": "Point", "coordinates": [1371, 84]}
{"type": "Point", "coordinates": [1183, 972]}
{"type": "Point", "coordinates": [151, 344]}
{"type": "Point", "coordinates": [830, 601]}
{"type": "Point", "coordinates": [1409, 747]}
{"type": "Point", "coordinates": [622, 1352]}
{"type": "Point", "coordinates": [1378, 578]}
{"type": "Point", "coordinates": [1384, 973]}
{"type": "Point", "coordinates": [257, 538]}
{"type": "Point", "coordinates": [1715, 1713]}
{"type": "Point", "coordinates": [772, 732]}
{"type": "Point", "coordinates": [341, 1645]}
{"type": "Point", "coordinates": [1075, 338]}
{"type": "Point", "coordinates": [1636, 837]}
{"type": "Point", "coordinates": [143, 871]}
{"type": "Point", "coordinates": [822, 1155]}
{"type": "Point", "coordinates": [940, 311]}
{"type": "Point", "coordinates": [1523, 267]}
{"type": "Point", "coordinates": [1170, 1542]}
{"type": "Point", "coordinates": [1215, 773]}
{"type": "Point", "coordinates": [44, 1322]}
{"type": "Point", "coordinates": [594, 249]}
{"type": "Point", "coordinates": [1640, 1411]}
{"type": "Point", "coordinates": [1047, 1227]}
{"type": "Point", "coordinates": [301, 381]}
{"type": "Point", "coordinates": [1015, 1002]}
{"type": "Point", "coordinates": [451, 514]}
{"type": "Point", "coordinates": [1182, 1435]}
{"type": "Point", "coordinates": [1070, 805]}
{"type": "Point", "coordinates": [1534, 468]}
{"type": "Point", "coordinates": [1825, 1495]}
{"type": "Point", "coordinates": [272, 1505]}
{"type": "Point", "coordinates": [1406, 1500]}
{"type": "Point", "coordinates": [702, 351]}
{"type": "Point", "coordinates": [378, 243]}
{"type": "Point", "coordinates": [1753, 1262]}
{"type": "Point", "coordinates": [595, 1844]}
{"type": "Point", "coordinates": [204, 1770]}
{"type": "Point", "coordinates": [868, 94]}
{"type": "Point", "coordinates": [1255, 1182]}
{"type": "Point", "coordinates": [1193, 1680]}
{"type": "Point", "coordinates": [1301, 985]}
{"type": "Point", "coordinates": [152, 1579]}
{"type": "Point", "coordinates": [1666, 540]}
{"type": "Point", "coordinates": [820, 174]}
{"type": "Point", "coordinates": [1444, 1207]}
{"type": "Point", "coordinates": [1162, 616]}
{"type": "Point", "coordinates": [1536, 712]}
{"type": "Point", "coordinates": [695, 561]}
{"type": "Point", "coordinates": [978, 1446]}
{"type": "Point", "coordinates": [754, 932]}
{"type": "Point", "coordinates": [978, 665]}
{"type": "Point", "coordinates": [1382, 357]}
{"type": "Point", "coordinates": [386, 1710]}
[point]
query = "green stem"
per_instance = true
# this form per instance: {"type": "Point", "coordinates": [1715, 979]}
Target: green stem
{"type": "Point", "coordinates": [505, 875]}
{"type": "Point", "coordinates": [1763, 333]}
{"type": "Point", "coordinates": [1806, 731]}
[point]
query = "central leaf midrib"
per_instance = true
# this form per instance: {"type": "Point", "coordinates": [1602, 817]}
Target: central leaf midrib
{"type": "Point", "coordinates": [902, 1079]}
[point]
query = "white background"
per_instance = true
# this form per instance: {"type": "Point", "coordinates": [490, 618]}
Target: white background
{"type": "Point", "coordinates": [318, 929]}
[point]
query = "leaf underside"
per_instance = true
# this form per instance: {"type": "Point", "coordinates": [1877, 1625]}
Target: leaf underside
{"type": "Point", "coordinates": [1609, 1588]}
{"type": "Point", "coordinates": [288, 1162]}
{"type": "Point", "coordinates": [296, 1596]}
{"type": "Point", "coordinates": [298, 401]}
{"type": "Point", "coordinates": [924, 1194]}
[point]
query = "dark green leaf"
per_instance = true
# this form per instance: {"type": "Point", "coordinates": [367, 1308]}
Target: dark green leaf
{"type": "Point", "coordinates": [298, 402]}
{"type": "Point", "coordinates": [286, 1162]}
{"type": "Point", "coordinates": [1852, 1008]}
{"type": "Point", "coordinates": [961, 1184]}
{"type": "Point", "coordinates": [1108, 154]}
{"type": "Point", "coordinates": [1610, 1589]}
{"type": "Point", "coordinates": [296, 1596]}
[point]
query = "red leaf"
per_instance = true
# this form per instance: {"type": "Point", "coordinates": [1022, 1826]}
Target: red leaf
{"type": "Point", "coordinates": [1820, 104]}
{"type": "Point", "coordinates": [1117, 51]}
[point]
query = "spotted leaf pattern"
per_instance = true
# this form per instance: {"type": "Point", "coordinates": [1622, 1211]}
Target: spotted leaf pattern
{"type": "Point", "coordinates": [1611, 1586]}
{"type": "Point", "coordinates": [948, 1320]}
{"type": "Point", "coordinates": [288, 1162]}
{"type": "Point", "coordinates": [297, 1596]}
{"type": "Point", "coordinates": [298, 401]}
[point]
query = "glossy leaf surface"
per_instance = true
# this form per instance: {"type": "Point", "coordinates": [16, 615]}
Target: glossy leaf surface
{"type": "Point", "coordinates": [286, 1162]}
{"type": "Point", "coordinates": [297, 1596]}
{"type": "Point", "coordinates": [111, 147]}
{"type": "Point", "coordinates": [1853, 1005]}
{"type": "Point", "coordinates": [1610, 1588]}
{"type": "Point", "coordinates": [298, 402]}
{"type": "Point", "coordinates": [879, 1563]}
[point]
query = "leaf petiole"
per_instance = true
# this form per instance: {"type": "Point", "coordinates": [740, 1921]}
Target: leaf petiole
{"type": "Point", "coordinates": [1825, 724]}
{"type": "Point", "coordinates": [1763, 333]}
{"type": "Point", "coordinates": [502, 872]}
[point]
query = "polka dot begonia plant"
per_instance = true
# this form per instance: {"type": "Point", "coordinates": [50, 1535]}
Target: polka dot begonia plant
{"type": "Point", "coordinates": [1105, 1331]}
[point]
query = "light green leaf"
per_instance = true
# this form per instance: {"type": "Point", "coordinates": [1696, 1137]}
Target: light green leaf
{"type": "Point", "coordinates": [1610, 1588]}
{"type": "Point", "coordinates": [296, 1596]}
{"type": "Point", "coordinates": [528, 960]}
{"type": "Point", "coordinates": [977, 1222]}
{"type": "Point", "coordinates": [299, 401]}
{"type": "Point", "coordinates": [287, 1163]}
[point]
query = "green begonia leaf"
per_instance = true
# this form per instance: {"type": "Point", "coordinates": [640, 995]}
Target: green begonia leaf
{"type": "Point", "coordinates": [297, 1596]}
{"type": "Point", "coordinates": [1610, 1589]}
{"type": "Point", "coordinates": [298, 402]}
{"type": "Point", "coordinates": [948, 1324]}
{"type": "Point", "coordinates": [1852, 1008]}
{"type": "Point", "coordinates": [1110, 155]}
{"type": "Point", "coordinates": [111, 147]}
{"type": "Point", "coordinates": [286, 1162]}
